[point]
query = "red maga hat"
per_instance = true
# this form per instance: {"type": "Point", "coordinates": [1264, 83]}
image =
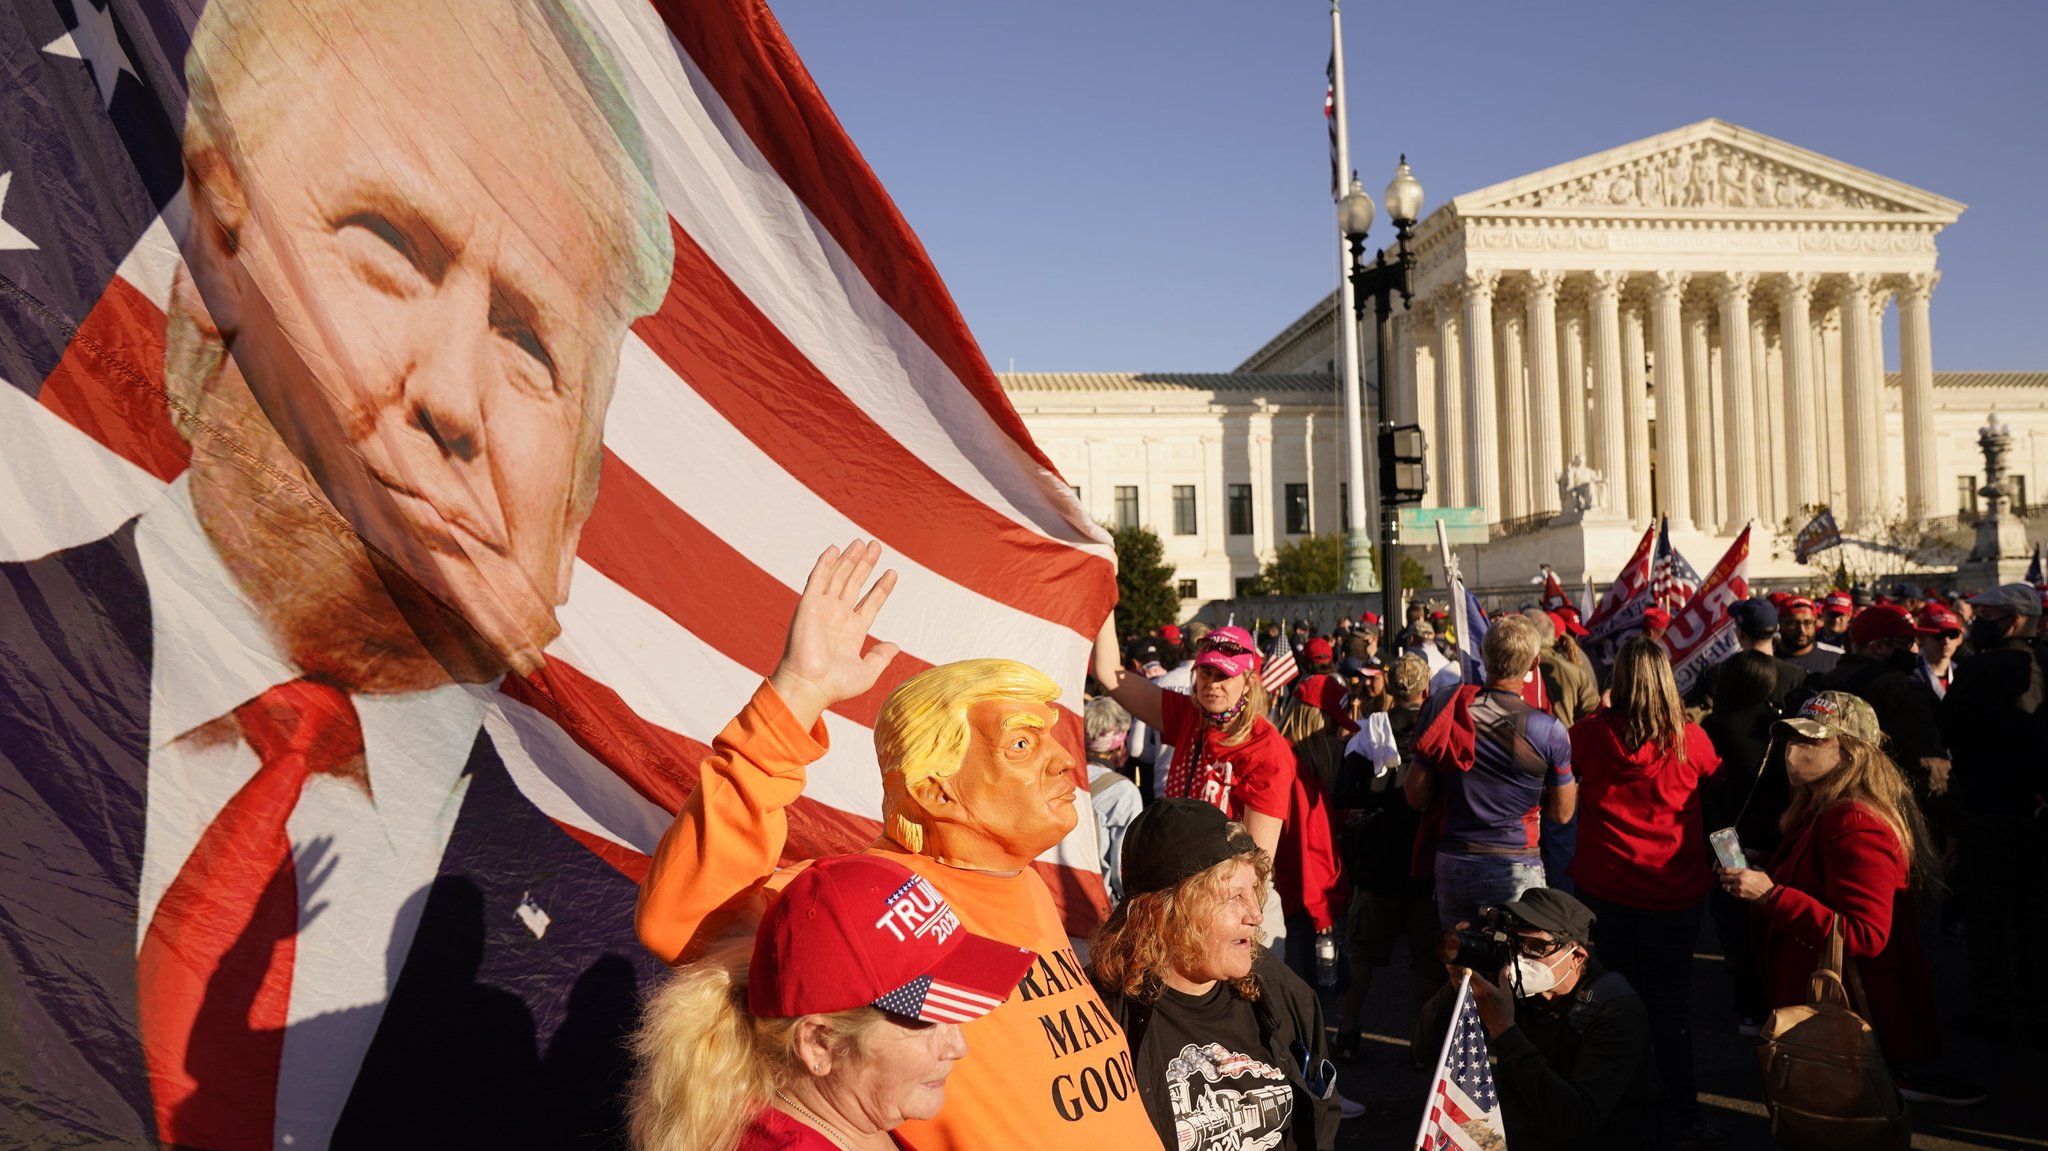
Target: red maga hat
{"type": "Point", "coordinates": [1798, 603]}
{"type": "Point", "coordinates": [864, 930]}
{"type": "Point", "coordinates": [1839, 603]}
{"type": "Point", "coordinates": [1656, 617]}
{"type": "Point", "coordinates": [1940, 618]}
{"type": "Point", "coordinates": [1327, 693]}
{"type": "Point", "coordinates": [1885, 621]}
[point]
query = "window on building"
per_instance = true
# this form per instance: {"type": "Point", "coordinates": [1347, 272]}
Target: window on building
{"type": "Point", "coordinates": [1297, 509]}
{"type": "Point", "coordinates": [2017, 485]}
{"type": "Point", "coordinates": [1344, 504]}
{"type": "Point", "coordinates": [1185, 588]}
{"type": "Point", "coordinates": [1240, 496]}
{"type": "Point", "coordinates": [1184, 510]}
{"type": "Point", "coordinates": [1127, 505]}
{"type": "Point", "coordinates": [1247, 586]}
{"type": "Point", "coordinates": [1966, 495]}
{"type": "Point", "coordinates": [1077, 490]}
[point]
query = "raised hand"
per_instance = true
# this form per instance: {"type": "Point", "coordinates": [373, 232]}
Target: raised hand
{"type": "Point", "coordinates": [822, 663]}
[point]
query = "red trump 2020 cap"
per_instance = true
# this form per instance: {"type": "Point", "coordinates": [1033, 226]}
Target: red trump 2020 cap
{"type": "Point", "coordinates": [862, 930]}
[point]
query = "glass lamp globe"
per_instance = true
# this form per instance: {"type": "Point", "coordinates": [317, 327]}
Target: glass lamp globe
{"type": "Point", "coordinates": [1404, 195]}
{"type": "Point", "coordinates": [1355, 211]}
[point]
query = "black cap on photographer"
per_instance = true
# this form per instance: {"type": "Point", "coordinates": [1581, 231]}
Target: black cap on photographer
{"type": "Point", "coordinates": [1548, 909]}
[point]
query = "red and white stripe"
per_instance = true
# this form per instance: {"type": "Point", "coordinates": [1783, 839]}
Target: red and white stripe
{"type": "Point", "coordinates": [944, 1003]}
{"type": "Point", "coordinates": [808, 379]}
{"type": "Point", "coordinates": [1280, 669]}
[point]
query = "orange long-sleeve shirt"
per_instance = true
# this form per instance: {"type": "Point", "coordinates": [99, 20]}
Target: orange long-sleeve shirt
{"type": "Point", "coordinates": [1049, 1068]}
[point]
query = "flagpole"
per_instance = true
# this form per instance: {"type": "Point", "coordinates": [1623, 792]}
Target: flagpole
{"type": "Point", "coordinates": [1359, 575]}
{"type": "Point", "coordinates": [1443, 1053]}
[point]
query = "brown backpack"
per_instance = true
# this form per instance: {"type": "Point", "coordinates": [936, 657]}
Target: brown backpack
{"type": "Point", "coordinates": [1824, 1075]}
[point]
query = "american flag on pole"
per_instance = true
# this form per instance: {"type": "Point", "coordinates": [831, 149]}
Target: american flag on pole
{"type": "Point", "coordinates": [1672, 579]}
{"type": "Point", "coordinates": [1280, 668]}
{"type": "Point", "coordinates": [1463, 1113]}
{"type": "Point", "coordinates": [797, 376]}
{"type": "Point", "coordinates": [1330, 115]}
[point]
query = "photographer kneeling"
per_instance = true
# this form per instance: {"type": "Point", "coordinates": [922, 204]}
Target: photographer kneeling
{"type": "Point", "coordinates": [1572, 1039]}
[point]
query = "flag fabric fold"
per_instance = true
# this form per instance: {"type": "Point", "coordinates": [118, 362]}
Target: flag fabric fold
{"type": "Point", "coordinates": [1463, 1109]}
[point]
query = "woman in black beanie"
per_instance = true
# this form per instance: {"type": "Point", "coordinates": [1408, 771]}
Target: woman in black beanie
{"type": "Point", "coordinates": [1223, 1036]}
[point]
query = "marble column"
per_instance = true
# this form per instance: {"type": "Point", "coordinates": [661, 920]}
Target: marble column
{"type": "Point", "coordinates": [1861, 410]}
{"type": "Point", "coordinates": [1766, 385]}
{"type": "Point", "coordinates": [1699, 421]}
{"type": "Point", "coordinates": [1795, 342]}
{"type": "Point", "coordinates": [1450, 401]}
{"type": "Point", "coordinates": [1892, 493]}
{"type": "Point", "coordinates": [1571, 377]}
{"type": "Point", "coordinates": [1827, 362]}
{"type": "Point", "coordinates": [1546, 442]}
{"type": "Point", "coordinates": [1609, 456]}
{"type": "Point", "coordinates": [1635, 419]}
{"type": "Point", "coordinates": [1674, 448]}
{"type": "Point", "coordinates": [1738, 403]}
{"type": "Point", "coordinates": [1514, 422]}
{"type": "Point", "coordinates": [1482, 431]}
{"type": "Point", "coordinates": [1916, 387]}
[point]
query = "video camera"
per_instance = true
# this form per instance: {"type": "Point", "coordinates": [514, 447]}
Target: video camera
{"type": "Point", "coordinates": [1487, 946]}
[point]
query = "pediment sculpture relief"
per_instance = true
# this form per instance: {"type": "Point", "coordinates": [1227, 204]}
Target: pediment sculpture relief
{"type": "Point", "coordinates": [1706, 174]}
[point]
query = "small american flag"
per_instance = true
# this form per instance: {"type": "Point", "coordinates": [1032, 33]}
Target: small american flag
{"type": "Point", "coordinates": [1672, 579]}
{"type": "Point", "coordinates": [1464, 1110]}
{"type": "Point", "coordinates": [1280, 669]}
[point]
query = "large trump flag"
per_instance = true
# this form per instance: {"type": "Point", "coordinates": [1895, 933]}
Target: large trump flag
{"type": "Point", "coordinates": [419, 418]}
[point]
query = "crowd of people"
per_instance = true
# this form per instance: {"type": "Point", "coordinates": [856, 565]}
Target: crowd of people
{"type": "Point", "coordinates": [1551, 831]}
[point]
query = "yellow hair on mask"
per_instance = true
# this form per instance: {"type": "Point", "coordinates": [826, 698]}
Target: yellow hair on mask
{"type": "Point", "coordinates": [923, 732]}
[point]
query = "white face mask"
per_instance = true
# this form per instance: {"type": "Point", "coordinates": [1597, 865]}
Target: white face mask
{"type": "Point", "coordinates": [1533, 977]}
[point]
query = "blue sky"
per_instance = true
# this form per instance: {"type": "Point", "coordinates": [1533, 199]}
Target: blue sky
{"type": "Point", "coordinates": [1144, 185]}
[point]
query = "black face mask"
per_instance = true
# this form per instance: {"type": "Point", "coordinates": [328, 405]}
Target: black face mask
{"type": "Point", "coordinates": [1986, 634]}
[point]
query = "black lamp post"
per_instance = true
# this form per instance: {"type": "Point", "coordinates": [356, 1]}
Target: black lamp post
{"type": "Point", "coordinates": [1377, 281]}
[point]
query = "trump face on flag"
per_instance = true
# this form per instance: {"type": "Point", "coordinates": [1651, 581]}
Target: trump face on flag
{"type": "Point", "coordinates": [417, 235]}
{"type": "Point", "coordinates": [414, 326]}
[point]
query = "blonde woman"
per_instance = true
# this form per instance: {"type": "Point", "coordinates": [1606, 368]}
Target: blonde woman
{"type": "Point", "coordinates": [837, 1022]}
{"type": "Point", "coordinates": [1855, 850]}
{"type": "Point", "coordinates": [1226, 1043]}
{"type": "Point", "coordinates": [1641, 859]}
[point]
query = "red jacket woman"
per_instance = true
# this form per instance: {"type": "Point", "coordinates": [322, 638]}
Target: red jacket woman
{"type": "Point", "coordinates": [1844, 861]}
{"type": "Point", "coordinates": [1642, 842]}
{"type": "Point", "coordinates": [1853, 837]}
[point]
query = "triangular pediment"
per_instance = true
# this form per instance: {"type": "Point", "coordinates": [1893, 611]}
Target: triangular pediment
{"type": "Point", "coordinates": [1709, 167]}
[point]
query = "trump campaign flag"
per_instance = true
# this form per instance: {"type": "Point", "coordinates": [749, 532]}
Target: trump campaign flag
{"type": "Point", "coordinates": [1463, 1111]}
{"type": "Point", "coordinates": [1820, 534]}
{"type": "Point", "coordinates": [1701, 633]}
{"type": "Point", "coordinates": [419, 418]}
{"type": "Point", "coordinates": [1621, 610]}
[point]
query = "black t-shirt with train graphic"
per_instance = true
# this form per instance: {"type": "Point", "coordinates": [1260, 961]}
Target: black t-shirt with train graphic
{"type": "Point", "coordinates": [1203, 1074]}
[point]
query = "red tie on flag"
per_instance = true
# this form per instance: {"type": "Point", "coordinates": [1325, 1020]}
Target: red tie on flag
{"type": "Point", "coordinates": [223, 934]}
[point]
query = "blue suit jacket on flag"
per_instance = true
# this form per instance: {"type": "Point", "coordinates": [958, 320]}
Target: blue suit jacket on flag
{"type": "Point", "coordinates": [491, 1037]}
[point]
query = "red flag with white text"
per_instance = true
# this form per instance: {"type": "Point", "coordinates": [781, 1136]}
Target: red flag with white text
{"type": "Point", "coordinates": [1701, 633]}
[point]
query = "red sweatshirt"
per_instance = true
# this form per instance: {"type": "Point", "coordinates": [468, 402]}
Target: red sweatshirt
{"type": "Point", "coordinates": [1642, 843]}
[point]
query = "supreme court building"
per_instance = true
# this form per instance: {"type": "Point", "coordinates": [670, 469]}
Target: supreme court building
{"type": "Point", "coordinates": [1688, 326]}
